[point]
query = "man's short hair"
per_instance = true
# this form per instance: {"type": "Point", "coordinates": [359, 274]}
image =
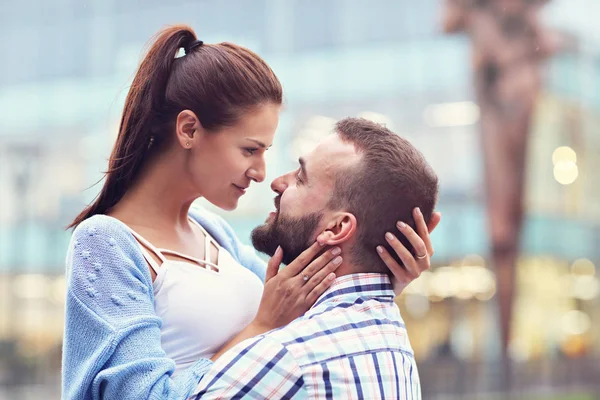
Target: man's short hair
{"type": "Point", "coordinates": [390, 180]}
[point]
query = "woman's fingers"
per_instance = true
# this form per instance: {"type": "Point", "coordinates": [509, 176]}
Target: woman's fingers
{"type": "Point", "coordinates": [312, 280]}
{"type": "Point", "coordinates": [421, 251]}
{"type": "Point", "coordinates": [273, 264]}
{"type": "Point", "coordinates": [399, 271]}
{"type": "Point", "coordinates": [323, 284]}
{"type": "Point", "coordinates": [302, 261]}
{"type": "Point", "coordinates": [422, 230]}
{"type": "Point", "coordinates": [435, 219]}
{"type": "Point", "coordinates": [410, 264]}
{"type": "Point", "coordinates": [327, 259]}
{"type": "Point", "coordinates": [286, 295]}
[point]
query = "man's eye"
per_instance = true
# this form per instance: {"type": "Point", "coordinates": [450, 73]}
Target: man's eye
{"type": "Point", "coordinates": [250, 151]}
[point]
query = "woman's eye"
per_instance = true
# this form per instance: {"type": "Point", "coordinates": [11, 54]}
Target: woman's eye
{"type": "Point", "coordinates": [250, 151]}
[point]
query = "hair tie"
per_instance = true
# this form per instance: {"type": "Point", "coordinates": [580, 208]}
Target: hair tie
{"type": "Point", "coordinates": [192, 46]}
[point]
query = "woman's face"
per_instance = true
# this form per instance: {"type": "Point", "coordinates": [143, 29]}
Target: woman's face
{"type": "Point", "coordinates": [224, 163]}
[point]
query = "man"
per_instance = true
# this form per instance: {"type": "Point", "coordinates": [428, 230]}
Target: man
{"type": "Point", "coordinates": [352, 344]}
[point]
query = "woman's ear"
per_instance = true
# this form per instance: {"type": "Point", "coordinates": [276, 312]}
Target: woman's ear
{"type": "Point", "coordinates": [340, 229]}
{"type": "Point", "coordinates": [187, 129]}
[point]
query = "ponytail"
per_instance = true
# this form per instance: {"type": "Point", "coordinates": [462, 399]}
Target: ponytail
{"type": "Point", "coordinates": [143, 104]}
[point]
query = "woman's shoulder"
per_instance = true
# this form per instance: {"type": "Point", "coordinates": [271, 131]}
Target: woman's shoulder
{"type": "Point", "coordinates": [106, 269]}
{"type": "Point", "coordinates": [100, 223]}
{"type": "Point", "coordinates": [104, 238]}
{"type": "Point", "coordinates": [103, 229]}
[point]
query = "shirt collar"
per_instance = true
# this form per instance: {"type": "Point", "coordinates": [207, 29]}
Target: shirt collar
{"type": "Point", "coordinates": [365, 285]}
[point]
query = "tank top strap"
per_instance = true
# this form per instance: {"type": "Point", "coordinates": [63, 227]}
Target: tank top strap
{"type": "Point", "coordinates": [149, 259]}
{"type": "Point", "coordinates": [203, 263]}
{"type": "Point", "coordinates": [208, 249]}
{"type": "Point", "coordinates": [206, 234]}
{"type": "Point", "coordinates": [145, 246]}
{"type": "Point", "coordinates": [207, 243]}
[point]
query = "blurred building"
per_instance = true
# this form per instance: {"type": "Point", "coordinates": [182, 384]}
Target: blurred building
{"type": "Point", "coordinates": [65, 73]}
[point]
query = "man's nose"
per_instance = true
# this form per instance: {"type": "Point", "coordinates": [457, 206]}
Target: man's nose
{"type": "Point", "coordinates": [279, 184]}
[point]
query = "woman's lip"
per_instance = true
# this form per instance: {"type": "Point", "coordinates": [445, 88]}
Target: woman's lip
{"type": "Point", "coordinates": [241, 189]}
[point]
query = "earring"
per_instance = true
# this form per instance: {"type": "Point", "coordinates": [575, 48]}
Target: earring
{"type": "Point", "coordinates": [187, 144]}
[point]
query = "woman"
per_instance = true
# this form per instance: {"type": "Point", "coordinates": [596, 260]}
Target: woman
{"type": "Point", "coordinates": [155, 290]}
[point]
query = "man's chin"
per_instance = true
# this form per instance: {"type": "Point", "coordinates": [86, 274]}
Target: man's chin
{"type": "Point", "coordinates": [261, 239]}
{"type": "Point", "coordinates": [292, 234]}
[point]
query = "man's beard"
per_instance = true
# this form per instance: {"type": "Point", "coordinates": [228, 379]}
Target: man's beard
{"type": "Point", "coordinates": [294, 235]}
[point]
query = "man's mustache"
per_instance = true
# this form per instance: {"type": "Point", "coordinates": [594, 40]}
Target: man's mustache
{"type": "Point", "coordinates": [277, 202]}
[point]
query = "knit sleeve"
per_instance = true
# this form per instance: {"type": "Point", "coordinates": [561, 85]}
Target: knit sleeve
{"type": "Point", "coordinates": [111, 345]}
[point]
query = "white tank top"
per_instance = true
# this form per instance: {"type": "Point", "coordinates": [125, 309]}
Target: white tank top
{"type": "Point", "coordinates": [202, 305]}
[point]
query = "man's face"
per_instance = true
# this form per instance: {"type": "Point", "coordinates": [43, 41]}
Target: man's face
{"type": "Point", "coordinates": [301, 205]}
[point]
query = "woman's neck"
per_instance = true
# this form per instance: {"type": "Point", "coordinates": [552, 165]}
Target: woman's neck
{"type": "Point", "coordinates": [157, 200]}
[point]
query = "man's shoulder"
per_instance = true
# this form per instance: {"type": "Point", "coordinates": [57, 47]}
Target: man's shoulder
{"type": "Point", "coordinates": [262, 352]}
{"type": "Point", "coordinates": [296, 331]}
{"type": "Point", "coordinates": [259, 367]}
{"type": "Point", "coordinates": [336, 331]}
{"type": "Point", "coordinates": [306, 338]}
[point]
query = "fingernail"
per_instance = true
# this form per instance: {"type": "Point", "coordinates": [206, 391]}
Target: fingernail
{"type": "Point", "coordinates": [336, 251]}
{"type": "Point", "coordinates": [331, 276]}
{"type": "Point", "coordinates": [418, 210]}
{"type": "Point", "coordinates": [278, 251]}
{"type": "Point", "coordinates": [337, 260]}
{"type": "Point", "coordinates": [389, 236]}
{"type": "Point", "coordinates": [401, 225]}
{"type": "Point", "coordinates": [379, 249]}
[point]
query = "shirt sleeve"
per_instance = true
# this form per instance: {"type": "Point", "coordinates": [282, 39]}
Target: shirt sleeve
{"type": "Point", "coordinates": [111, 344]}
{"type": "Point", "coordinates": [258, 368]}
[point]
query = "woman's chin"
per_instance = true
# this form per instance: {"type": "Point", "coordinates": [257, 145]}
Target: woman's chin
{"type": "Point", "coordinates": [226, 204]}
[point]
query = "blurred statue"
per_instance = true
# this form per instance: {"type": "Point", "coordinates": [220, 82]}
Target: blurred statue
{"type": "Point", "coordinates": [508, 47]}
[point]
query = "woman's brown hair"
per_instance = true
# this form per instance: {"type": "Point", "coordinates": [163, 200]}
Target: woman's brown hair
{"type": "Point", "coordinates": [218, 82]}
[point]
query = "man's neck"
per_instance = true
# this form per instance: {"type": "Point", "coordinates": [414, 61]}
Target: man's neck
{"type": "Point", "coordinates": [348, 268]}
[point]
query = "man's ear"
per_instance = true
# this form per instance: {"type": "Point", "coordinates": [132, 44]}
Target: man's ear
{"type": "Point", "coordinates": [340, 229]}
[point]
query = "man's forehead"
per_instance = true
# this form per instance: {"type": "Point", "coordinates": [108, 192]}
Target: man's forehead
{"type": "Point", "coordinates": [330, 155]}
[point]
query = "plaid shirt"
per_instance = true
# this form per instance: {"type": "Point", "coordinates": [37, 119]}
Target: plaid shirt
{"type": "Point", "coordinates": [352, 344]}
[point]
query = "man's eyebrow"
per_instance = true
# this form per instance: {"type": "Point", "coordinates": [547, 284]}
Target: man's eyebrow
{"type": "Point", "coordinates": [302, 162]}
{"type": "Point", "coordinates": [258, 142]}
